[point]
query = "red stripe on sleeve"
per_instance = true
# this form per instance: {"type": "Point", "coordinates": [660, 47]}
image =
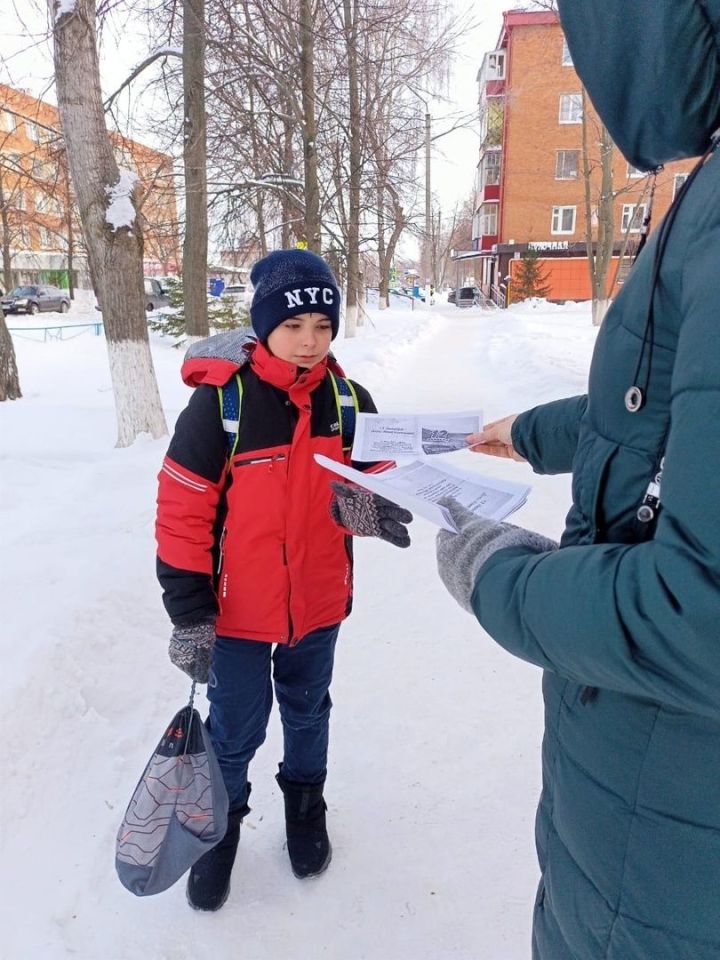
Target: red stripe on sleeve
{"type": "Point", "coordinates": [187, 507]}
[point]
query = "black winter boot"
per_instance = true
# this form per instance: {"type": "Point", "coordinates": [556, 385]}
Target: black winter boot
{"type": "Point", "coordinates": [307, 840]}
{"type": "Point", "coordinates": [209, 881]}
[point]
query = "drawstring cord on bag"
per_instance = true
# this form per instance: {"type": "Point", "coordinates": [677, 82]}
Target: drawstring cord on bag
{"type": "Point", "coordinates": [191, 714]}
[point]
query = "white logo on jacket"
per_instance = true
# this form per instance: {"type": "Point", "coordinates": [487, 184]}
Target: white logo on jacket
{"type": "Point", "coordinates": [308, 296]}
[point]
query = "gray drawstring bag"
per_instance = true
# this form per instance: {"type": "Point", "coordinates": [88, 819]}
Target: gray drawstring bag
{"type": "Point", "coordinates": [178, 810]}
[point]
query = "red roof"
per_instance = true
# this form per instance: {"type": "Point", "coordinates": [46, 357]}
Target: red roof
{"type": "Point", "coordinates": [525, 18]}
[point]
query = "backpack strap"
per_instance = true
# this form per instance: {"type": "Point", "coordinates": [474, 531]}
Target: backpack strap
{"type": "Point", "coordinates": [347, 407]}
{"type": "Point", "coordinates": [230, 400]}
{"type": "Point", "coordinates": [230, 397]}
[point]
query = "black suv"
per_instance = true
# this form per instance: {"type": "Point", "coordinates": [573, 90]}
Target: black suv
{"type": "Point", "coordinates": [33, 299]}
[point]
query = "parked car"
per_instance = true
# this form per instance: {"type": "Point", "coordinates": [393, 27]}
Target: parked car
{"type": "Point", "coordinates": [466, 297]}
{"type": "Point", "coordinates": [33, 299]}
{"type": "Point", "coordinates": [155, 295]}
{"type": "Point", "coordinates": [237, 291]}
{"type": "Point", "coordinates": [451, 296]}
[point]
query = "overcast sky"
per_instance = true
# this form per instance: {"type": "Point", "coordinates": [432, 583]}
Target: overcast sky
{"type": "Point", "coordinates": [27, 63]}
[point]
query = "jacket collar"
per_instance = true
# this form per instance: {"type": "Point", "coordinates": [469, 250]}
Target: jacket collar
{"type": "Point", "coordinates": [286, 376]}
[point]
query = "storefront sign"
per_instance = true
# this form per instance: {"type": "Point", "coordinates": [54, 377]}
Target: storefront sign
{"type": "Point", "coordinates": [549, 245]}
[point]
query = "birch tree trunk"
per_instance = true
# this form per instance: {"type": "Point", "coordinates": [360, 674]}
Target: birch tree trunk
{"type": "Point", "coordinates": [115, 250]}
{"type": "Point", "coordinates": [195, 163]}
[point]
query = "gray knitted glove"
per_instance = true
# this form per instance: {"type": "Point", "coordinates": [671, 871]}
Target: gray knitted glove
{"type": "Point", "coordinates": [460, 555]}
{"type": "Point", "coordinates": [367, 514]}
{"type": "Point", "coordinates": [191, 648]}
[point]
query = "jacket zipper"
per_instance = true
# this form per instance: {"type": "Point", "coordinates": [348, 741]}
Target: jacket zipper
{"type": "Point", "coordinates": [248, 462]}
{"type": "Point", "coordinates": [290, 639]}
{"type": "Point", "coordinates": [221, 550]}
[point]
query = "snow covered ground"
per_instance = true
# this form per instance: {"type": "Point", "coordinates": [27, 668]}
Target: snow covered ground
{"type": "Point", "coordinates": [434, 768]}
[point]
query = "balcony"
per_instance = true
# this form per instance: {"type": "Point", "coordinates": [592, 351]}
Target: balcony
{"type": "Point", "coordinates": [485, 226]}
{"type": "Point", "coordinates": [488, 176]}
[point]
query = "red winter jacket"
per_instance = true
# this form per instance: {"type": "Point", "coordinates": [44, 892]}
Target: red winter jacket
{"type": "Point", "coordinates": [256, 544]}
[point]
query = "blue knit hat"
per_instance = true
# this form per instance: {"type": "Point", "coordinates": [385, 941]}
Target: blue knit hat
{"type": "Point", "coordinates": [289, 282]}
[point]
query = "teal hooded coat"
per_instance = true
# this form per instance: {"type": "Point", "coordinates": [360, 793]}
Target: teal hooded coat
{"type": "Point", "coordinates": [625, 617]}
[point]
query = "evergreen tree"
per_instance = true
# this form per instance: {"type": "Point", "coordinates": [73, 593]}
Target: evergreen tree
{"type": "Point", "coordinates": [224, 313]}
{"type": "Point", "coordinates": [530, 280]}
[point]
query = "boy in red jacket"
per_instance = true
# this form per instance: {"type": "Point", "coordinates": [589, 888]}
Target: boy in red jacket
{"type": "Point", "coordinates": [254, 550]}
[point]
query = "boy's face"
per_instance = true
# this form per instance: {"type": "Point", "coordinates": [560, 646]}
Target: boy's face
{"type": "Point", "coordinates": [303, 340]}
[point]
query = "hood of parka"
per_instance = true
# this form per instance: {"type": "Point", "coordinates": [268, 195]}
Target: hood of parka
{"type": "Point", "coordinates": [652, 70]}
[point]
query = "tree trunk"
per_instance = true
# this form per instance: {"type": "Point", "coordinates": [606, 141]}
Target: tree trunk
{"type": "Point", "coordinates": [257, 160]}
{"type": "Point", "coordinates": [353, 316]}
{"type": "Point", "coordinates": [114, 250]}
{"type": "Point", "coordinates": [428, 207]}
{"type": "Point", "coordinates": [260, 215]}
{"type": "Point", "coordinates": [6, 238]}
{"type": "Point", "coordinates": [599, 253]}
{"type": "Point", "coordinates": [195, 163]}
{"type": "Point", "coordinates": [606, 228]}
{"type": "Point", "coordinates": [309, 130]}
{"type": "Point", "coordinates": [9, 379]}
{"type": "Point", "coordinates": [384, 281]}
{"type": "Point", "coordinates": [587, 193]}
{"type": "Point", "coordinates": [70, 235]}
{"type": "Point", "coordinates": [288, 211]}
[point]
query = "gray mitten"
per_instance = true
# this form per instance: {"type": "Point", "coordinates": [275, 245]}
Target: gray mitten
{"type": "Point", "coordinates": [367, 514]}
{"type": "Point", "coordinates": [460, 555]}
{"type": "Point", "coordinates": [191, 648]}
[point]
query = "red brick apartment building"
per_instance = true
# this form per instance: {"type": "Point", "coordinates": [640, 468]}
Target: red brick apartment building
{"type": "Point", "coordinates": [530, 190]}
{"type": "Point", "coordinates": [39, 226]}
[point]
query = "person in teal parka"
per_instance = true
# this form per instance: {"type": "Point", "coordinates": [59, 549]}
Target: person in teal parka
{"type": "Point", "coordinates": [624, 618]}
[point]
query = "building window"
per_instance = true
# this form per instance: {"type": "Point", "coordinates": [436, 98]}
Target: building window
{"type": "Point", "coordinates": [566, 58]}
{"type": "Point", "coordinates": [41, 170]}
{"type": "Point", "coordinates": [566, 164]}
{"type": "Point", "coordinates": [570, 108]}
{"type": "Point", "coordinates": [633, 172]}
{"type": "Point", "coordinates": [496, 65]}
{"type": "Point", "coordinates": [563, 220]}
{"type": "Point", "coordinates": [24, 238]}
{"type": "Point", "coordinates": [488, 219]}
{"type": "Point", "coordinates": [47, 238]}
{"type": "Point", "coordinates": [42, 202]}
{"type": "Point", "coordinates": [19, 200]}
{"type": "Point", "coordinates": [633, 215]}
{"type": "Point", "coordinates": [13, 160]}
{"type": "Point", "coordinates": [678, 180]}
{"type": "Point", "coordinates": [32, 131]}
{"type": "Point", "coordinates": [491, 168]}
{"type": "Point", "coordinates": [491, 122]}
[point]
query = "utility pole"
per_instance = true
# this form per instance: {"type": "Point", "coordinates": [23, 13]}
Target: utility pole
{"type": "Point", "coordinates": [428, 202]}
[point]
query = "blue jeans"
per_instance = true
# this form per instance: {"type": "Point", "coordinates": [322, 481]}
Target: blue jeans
{"type": "Point", "coordinates": [240, 695]}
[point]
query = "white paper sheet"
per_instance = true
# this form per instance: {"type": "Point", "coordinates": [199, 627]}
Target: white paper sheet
{"type": "Point", "coordinates": [419, 485]}
{"type": "Point", "coordinates": [398, 436]}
